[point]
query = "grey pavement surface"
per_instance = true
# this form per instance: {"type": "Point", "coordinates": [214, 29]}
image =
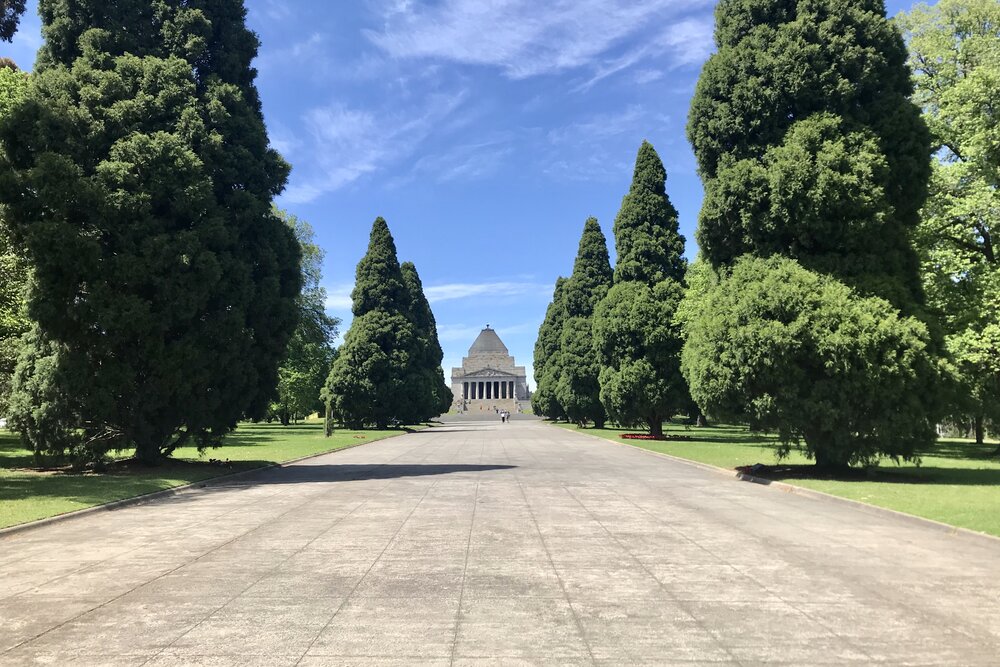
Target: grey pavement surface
{"type": "Point", "coordinates": [481, 543]}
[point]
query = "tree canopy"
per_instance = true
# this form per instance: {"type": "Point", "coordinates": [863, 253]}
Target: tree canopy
{"type": "Point", "coordinates": [955, 58]}
{"type": "Point", "coordinates": [311, 350]}
{"type": "Point", "coordinates": [383, 373]}
{"type": "Point", "coordinates": [577, 389]}
{"type": "Point", "coordinates": [636, 337]}
{"type": "Point", "coordinates": [808, 145]}
{"type": "Point", "coordinates": [811, 153]}
{"type": "Point", "coordinates": [13, 268]}
{"type": "Point", "coordinates": [546, 363]}
{"type": "Point", "coordinates": [138, 177]}
{"type": "Point", "coordinates": [10, 18]}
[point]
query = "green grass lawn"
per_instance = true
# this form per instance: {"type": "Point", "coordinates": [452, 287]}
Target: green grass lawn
{"type": "Point", "coordinates": [956, 482]}
{"type": "Point", "coordinates": [27, 494]}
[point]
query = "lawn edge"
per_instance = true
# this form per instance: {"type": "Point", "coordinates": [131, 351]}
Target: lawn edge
{"type": "Point", "coordinates": [174, 490]}
{"type": "Point", "coordinates": [869, 508]}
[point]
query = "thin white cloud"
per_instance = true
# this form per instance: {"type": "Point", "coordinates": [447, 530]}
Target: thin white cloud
{"type": "Point", "coordinates": [338, 297]}
{"type": "Point", "coordinates": [452, 291]}
{"type": "Point", "coordinates": [523, 38]}
{"type": "Point", "coordinates": [348, 143]}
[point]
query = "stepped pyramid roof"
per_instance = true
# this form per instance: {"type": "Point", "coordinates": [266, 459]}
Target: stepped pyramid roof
{"type": "Point", "coordinates": [488, 342]}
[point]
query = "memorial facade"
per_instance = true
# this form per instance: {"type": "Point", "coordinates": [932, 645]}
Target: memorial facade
{"type": "Point", "coordinates": [489, 377]}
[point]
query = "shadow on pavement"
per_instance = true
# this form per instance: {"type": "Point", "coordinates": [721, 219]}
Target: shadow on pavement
{"type": "Point", "coordinates": [299, 474]}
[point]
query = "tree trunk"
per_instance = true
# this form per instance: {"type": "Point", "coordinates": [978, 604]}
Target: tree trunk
{"type": "Point", "coordinates": [327, 423]}
{"type": "Point", "coordinates": [701, 421]}
{"type": "Point", "coordinates": [148, 454]}
{"type": "Point", "coordinates": [828, 463]}
{"type": "Point", "coordinates": [656, 427]}
{"type": "Point", "coordinates": [599, 423]}
{"type": "Point", "coordinates": [979, 428]}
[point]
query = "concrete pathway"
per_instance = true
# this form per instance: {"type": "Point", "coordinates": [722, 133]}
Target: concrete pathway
{"type": "Point", "coordinates": [481, 543]}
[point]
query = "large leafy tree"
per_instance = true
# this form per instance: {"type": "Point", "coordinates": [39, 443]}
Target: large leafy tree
{"type": "Point", "coordinates": [545, 362]}
{"type": "Point", "coordinates": [371, 382]}
{"type": "Point", "coordinates": [810, 149]}
{"type": "Point", "coordinates": [138, 178]}
{"type": "Point", "coordinates": [636, 337]}
{"type": "Point", "coordinates": [311, 349]}
{"type": "Point", "coordinates": [434, 396]}
{"type": "Point", "coordinates": [955, 58]}
{"type": "Point", "coordinates": [577, 390]}
{"type": "Point", "coordinates": [13, 267]}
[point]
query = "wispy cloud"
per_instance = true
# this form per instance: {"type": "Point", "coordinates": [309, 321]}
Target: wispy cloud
{"type": "Point", "coordinates": [452, 291]}
{"type": "Point", "coordinates": [338, 297]}
{"type": "Point", "coordinates": [348, 143]}
{"type": "Point", "coordinates": [463, 162]}
{"type": "Point", "coordinates": [521, 37]}
{"type": "Point", "coordinates": [686, 42]}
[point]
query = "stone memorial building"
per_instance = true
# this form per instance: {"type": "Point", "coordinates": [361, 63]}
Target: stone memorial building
{"type": "Point", "coordinates": [488, 377]}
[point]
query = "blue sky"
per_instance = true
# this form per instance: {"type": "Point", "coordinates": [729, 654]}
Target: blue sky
{"type": "Point", "coordinates": [484, 131]}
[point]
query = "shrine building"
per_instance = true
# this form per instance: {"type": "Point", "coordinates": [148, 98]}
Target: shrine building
{"type": "Point", "coordinates": [488, 377]}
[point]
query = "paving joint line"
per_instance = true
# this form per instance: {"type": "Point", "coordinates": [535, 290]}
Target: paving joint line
{"type": "Point", "coordinates": [374, 562]}
{"type": "Point", "coordinates": [548, 555]}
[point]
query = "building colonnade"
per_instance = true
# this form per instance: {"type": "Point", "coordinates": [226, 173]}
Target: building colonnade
{"type": "Point", "coordinates": [488, 391]}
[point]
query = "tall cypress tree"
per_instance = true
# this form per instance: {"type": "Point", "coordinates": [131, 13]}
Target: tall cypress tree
{"type": "Point", "coordinates": [815, 165]}
{"type": "Point", "coordinates": [577, 389]}
{"type": "Point", "coordinates": [545, 361]}
{"type": "Point", "coordinates": [635, 335]}
{"type": "Point", "coordinates": [371, 382]}
{"type": "Point", "coordinates": [435, 395]}
{"type": "Point", "coordinates": [139, 181]}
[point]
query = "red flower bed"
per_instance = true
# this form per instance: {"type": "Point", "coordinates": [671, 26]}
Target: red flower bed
{"type": "Point", "coordinates": [646, 436]}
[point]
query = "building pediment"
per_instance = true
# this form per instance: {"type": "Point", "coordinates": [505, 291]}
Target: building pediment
{"type": "Point", "coordinates": [489, 373]}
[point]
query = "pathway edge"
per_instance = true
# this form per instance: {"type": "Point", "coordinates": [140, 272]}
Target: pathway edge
{"type": "Point", "coordinates": [172, 491]}
{"type": "Point", "coordinates": [940, 526]}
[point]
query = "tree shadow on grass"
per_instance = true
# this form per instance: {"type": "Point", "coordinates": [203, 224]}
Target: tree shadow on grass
{"type": "Point", "coordinates": [909, 475]}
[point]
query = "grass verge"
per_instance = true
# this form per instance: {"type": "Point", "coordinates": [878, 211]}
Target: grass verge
{"type": "Point", "coordinates": [28, 494]}
{"type": "Point", "coordinates": [957, 482]}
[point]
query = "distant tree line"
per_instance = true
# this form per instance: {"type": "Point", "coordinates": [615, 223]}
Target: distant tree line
{"type": "Point", "coordinates": [847, 291]}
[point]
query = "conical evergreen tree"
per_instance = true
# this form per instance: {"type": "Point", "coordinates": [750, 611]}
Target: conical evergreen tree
{"type": "Point", "coordinates": [545, 363]}
{"type": "Point", "coordinates": [371, 382]}
{"type": "Point", "coordinates": [139, 180]}
{"type": "Point", "coordinates": [577, 389]}
{"type": "Point", "coordinates": [636, 338]}
{"type": "Point", "coordinates": [814, 158]}
{"type": "Point", "coordinates": [808, 144]}
{"type": "Point", "coordinates": [435, 395]}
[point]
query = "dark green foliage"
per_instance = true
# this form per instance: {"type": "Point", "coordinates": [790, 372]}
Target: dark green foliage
{"type": "Point", "coordinates": [812, 153]}
{"type": "Point", "coordinates": [808, 144]}
{"type": "Point", "coordinates": [435, 396]}
{"type": "Point", "coordinates": [577, 389]}
{"type": "Point", "coordinates": [545, 364]}
{"type": "Point", "coordinates": [310, 352]}
{"type": "Point", "coordinates": [802, 354]}
{"type": "Point", "coordinates": [380, 376]}
{"type": "Point", "coordinates": [10, 17]}
{"type": "Point", "coordinates": [13, 267]}
{"type": "Point", "coordinates": [636, 339]}
{"type": "Point", "coordinates": [139, 180]}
